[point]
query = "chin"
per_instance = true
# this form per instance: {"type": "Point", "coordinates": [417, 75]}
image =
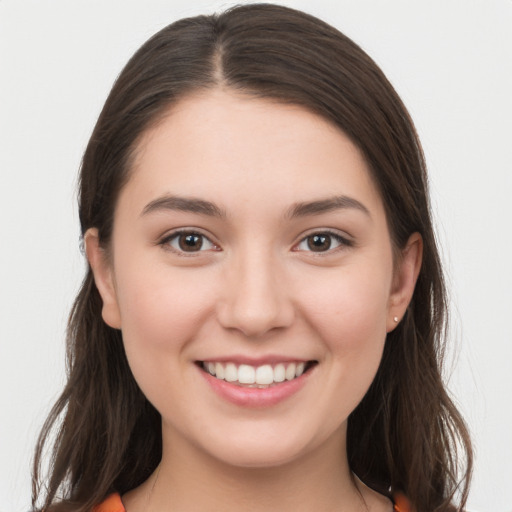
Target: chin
{"type": "Point", "coordinates": [259, 458]}
{"type": "Point", "coordinates": [260, 451]}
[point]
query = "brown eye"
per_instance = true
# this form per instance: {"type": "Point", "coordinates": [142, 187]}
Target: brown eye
{"type": "Point", "coordinates": [319, 242]}
{"type": "Point", "coordinates": [323, 242]}
{"type": "Point", "coordinates": [187, 241]}
{"type": "Point", "coordinates": [190, 242]}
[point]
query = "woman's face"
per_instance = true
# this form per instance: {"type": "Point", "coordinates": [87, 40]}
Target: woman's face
{"type": "Point", "coordinates": [251, 243]}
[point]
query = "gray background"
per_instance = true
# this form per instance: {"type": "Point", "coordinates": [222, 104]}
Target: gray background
{"type": "Point", "coordinates": [449, 60]}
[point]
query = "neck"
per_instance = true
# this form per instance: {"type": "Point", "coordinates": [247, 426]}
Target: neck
{"type": "Point", "coordinates": [189, 479]}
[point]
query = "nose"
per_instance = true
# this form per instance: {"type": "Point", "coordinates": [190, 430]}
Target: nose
{"type": "Point", "coordinates": [255, 299]}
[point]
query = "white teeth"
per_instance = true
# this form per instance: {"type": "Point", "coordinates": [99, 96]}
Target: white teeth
{"type": "Point", "coordinates": [279, 373]}
{"type": "Point", "coordinates": [231, 373]}
{"type": "Point", "coordinates": [290, 371]}
{"type": "Point", "coordinates": [259, 377]}
{"type": "Point", "coordinates": [246, 374]}
{"type": "Point", "coordinates": [264, 374]}
{"type": "Point", "coordinates": [219, 370]}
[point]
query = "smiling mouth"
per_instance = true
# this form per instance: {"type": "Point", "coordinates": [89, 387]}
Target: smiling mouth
{"type": "Point", "coordinates": [263, 376]}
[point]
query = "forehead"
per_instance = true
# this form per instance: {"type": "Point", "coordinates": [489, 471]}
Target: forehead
{"type": "Point", "coordinates": [228, 146]}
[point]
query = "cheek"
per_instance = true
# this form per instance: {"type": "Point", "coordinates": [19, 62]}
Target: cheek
{"type": "Point", "coordinates": [161, 312]}
{"type": "Point", "coordinates": [158, 304]}
{"type": "Point", "coordinates": [348, 310]}
{"type": "Point", "coordinates": [350, 300]}
{"type": "Point", "coordinates": [349, 317]}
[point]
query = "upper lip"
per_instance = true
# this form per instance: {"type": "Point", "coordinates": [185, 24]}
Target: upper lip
{"type": "Point", "coordinates": [256, 361]}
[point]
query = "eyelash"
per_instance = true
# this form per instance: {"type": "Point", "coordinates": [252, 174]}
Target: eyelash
{"type": "Point", "coordinates": [342, 241]}
{"type": "Point", "coordinates": [166, 242]}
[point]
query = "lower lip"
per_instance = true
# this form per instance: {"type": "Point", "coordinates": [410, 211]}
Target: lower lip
{"type": "Point", "coordinates": [255, 397]}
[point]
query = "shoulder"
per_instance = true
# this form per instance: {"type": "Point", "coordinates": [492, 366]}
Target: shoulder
{"type": "Point", "coordinates": [112, 504]}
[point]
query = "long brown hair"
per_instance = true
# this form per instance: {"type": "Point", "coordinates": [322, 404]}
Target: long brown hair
{"type": "Point", "coordinates": [406, 434]}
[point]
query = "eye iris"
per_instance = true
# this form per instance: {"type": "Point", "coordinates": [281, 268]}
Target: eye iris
{"type": "Point", "coordinates": [319, 242]}
{"type": "Point", "coordinates": [190, 242]}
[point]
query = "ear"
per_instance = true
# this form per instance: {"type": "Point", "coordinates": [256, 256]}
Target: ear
{"type": "Point", "coordinates": [103, 277]}
{"type": "Point", "coordinates": [404, 280]}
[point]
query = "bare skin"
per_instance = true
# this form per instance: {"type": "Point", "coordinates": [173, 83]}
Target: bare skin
{"type": "Point", "coordinates": [252, 286]}
{"type": "Point", "coordinates": [255, 490]}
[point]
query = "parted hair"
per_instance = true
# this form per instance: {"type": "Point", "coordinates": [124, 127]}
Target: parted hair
{"type": "Point", "coordinates": [103, 435]}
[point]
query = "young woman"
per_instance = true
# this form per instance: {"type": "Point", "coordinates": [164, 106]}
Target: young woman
{"type": "Point", "coordinates": [260, 326]}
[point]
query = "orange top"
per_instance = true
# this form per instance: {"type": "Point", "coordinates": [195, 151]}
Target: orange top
{"type": "Point", "coordinates": [114, 504]}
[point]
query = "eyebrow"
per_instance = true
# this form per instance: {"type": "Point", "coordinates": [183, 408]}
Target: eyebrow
{"type": "Point", "coordinates": [326, 205]}
{"type": "Point", "coordinates": [202, 207]}
{"type": "Point", "coordinates": [184, 204]}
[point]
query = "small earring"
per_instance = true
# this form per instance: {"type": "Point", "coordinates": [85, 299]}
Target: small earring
{"type": "Point", "coordinates": [395, 318]}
